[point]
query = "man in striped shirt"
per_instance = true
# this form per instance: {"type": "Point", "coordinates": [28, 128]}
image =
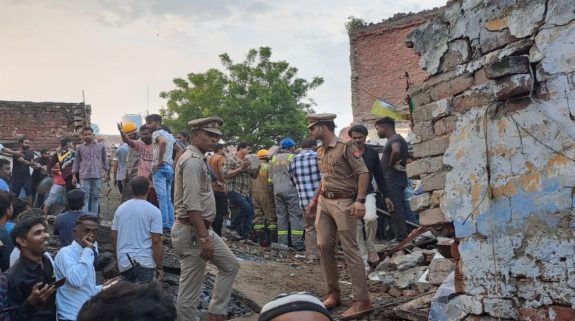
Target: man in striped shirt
{"type": "Point", "coordinates": [305, 176]}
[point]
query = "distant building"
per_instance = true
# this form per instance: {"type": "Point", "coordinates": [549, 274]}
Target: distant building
{"type": "Point", "coordinates": [379, 59]}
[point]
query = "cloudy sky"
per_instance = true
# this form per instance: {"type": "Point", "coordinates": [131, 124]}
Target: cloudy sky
{"type": "Point", "coordinates": [119, 51]}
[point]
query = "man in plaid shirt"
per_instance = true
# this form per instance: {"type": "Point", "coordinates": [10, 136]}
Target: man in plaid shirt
{"type": "Point", "coordinates": [305, 176]}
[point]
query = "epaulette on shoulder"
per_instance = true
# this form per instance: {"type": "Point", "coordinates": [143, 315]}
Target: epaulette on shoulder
{"type": "Point", "coordinates": [195, 155]}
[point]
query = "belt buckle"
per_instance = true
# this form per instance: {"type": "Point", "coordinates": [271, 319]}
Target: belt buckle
{"type": "Point", "coordinates": [330, 195]}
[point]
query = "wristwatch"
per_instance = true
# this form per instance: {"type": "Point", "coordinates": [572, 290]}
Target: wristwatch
{"type": "Point", "coordinates": [361, 200]}
{"type": "Point", "coordinates": [204, 239]}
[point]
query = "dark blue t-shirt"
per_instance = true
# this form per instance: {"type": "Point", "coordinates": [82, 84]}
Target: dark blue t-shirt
{"type": "Point", "coordinates": [65, 223]}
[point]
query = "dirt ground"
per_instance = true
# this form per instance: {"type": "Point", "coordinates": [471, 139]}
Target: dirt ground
{"type": "Point", "coordinates": [263, 273]}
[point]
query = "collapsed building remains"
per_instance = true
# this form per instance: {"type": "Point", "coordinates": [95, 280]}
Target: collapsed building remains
{"type": "Point", "coordinates": [495, 149]}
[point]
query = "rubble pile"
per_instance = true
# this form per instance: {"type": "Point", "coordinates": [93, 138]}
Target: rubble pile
{"type": "Point", "coordinates": [414, 272]}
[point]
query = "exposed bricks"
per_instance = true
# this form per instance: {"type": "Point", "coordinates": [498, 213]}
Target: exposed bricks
{"type": "Point", "coordinates": [472, 99]}
{"type": "Point", "coordinates": [507, 66]}
{"type": "Point", "coordinates": [513, 86]}
{"type": "Point", "coordinates": [436, 198]}
{"type": "Point", "coordinates": [432, 216]}
{"type": "Point", "coordinates": [433, 147]}
{"type": "Point", "coordinates": [425, 166]}
{"type": "Point", "coordinates": [379, 59]}
{"type": "Point", "coordinates": [433, 182]}
{"type": "Point", "coordinates": [424, 130]}
{"type": "Point", "coordinates": [43, 123]}
{"type": "Point", "coordinates": [431, 111]}
{"type": "Point", "coordinates": [451, 87]}
{"type": "Point", "coordinates": [445, 125]}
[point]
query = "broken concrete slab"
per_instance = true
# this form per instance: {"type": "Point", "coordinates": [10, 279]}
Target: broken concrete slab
{"type": "Point", "coordinates": [407, 278]}
{"type": "Point", "coordinates": [404, 262]}
{"type": "Point", "coordinates": [557, 46]}
{"type": "Point", "coordinates": [419, 202]}
{"type": "Point", "coordinates": [434, 45]}
{"type": "Point", "coordinates": [526, 17]}
{"type": "Point", "coordinates": [439, 269]}
{"type": "Point", "coordinates": [560, 12]}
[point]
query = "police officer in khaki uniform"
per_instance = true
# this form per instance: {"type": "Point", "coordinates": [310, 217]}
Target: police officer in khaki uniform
{"type": "Point", "coordinates": [193, 239]}
{"type": "Point", "coordinates": [337, 206]}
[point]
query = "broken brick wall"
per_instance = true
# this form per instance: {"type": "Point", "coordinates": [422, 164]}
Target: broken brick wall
{"type": "Point", "coordinates": [496, 151]}
{"type": "Point", "coordinates": [43, 123]}
{"type": "Point", "coordinates": [379, 60]}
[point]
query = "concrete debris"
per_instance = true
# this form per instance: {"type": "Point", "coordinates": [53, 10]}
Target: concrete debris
{"type": "Point", "coordinates": [439, 269]}
{"type": "Point", "coordinates": [404, 262]}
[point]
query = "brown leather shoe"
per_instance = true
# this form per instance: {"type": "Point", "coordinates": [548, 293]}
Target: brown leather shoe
{"type": "Point", "coordinates": [216, 317]}
{"type": "Point", "coordinates": [357, 310]}
{"type": "Point", "coordinates": [332, 301]}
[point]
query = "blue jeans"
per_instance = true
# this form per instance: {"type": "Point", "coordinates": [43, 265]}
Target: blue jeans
{"type": "Point", "coordinates": [139, 274]}
{"type": "Point", "coordinates": [242, 222]}
{"type": "Point", "coordinates": [163, 178]}
{"type": "Point", "coordinates": [91, 188]}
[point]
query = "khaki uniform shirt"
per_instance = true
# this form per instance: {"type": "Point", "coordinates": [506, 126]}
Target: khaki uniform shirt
{"type": "Point", "coordinates": [193, 189]}
{"type": "Point", "coordinates": [340, 165]}
{"type": "Point", "coordinates": [262, 183]}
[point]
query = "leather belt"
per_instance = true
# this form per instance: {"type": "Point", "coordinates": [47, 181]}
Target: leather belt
{"type": "Point", "coordinates": [187, 222]}
{"type": "Point", "coordinates": [336, 195]}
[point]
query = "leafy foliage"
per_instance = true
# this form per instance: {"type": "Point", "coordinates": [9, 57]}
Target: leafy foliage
{"type": "Point", "coordinates": [354, 23]}
{"type": "Point", "coordinates": [260, 100]}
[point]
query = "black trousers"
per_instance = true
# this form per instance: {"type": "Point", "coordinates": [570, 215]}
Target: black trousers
{"type": "Point", "coordinates": [398, 216]}
{"type": "Point", "coordinates": [221, 211]}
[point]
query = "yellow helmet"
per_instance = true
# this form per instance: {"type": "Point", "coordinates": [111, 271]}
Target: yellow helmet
{"type": "Point", "coordinates": [262, 153]}
{"type": "Point", "coordinates": [129, 128]}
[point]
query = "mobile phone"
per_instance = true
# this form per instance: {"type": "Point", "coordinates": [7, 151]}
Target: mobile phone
{"type": "Point", "coordinates": [59, 283]}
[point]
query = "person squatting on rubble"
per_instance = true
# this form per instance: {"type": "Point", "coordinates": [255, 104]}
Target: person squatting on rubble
{"type": "Point", "coordinates": [289, 213]}
{"type": "Point", "coordinates": [89, 162]}
{"type": "Point", "coordinates": [238, 175]}
{"type": "Point", "coordinates": [162, 167]}
{"type": "Point", "coordinates": [137, 236]}
{"type": "Point", "coordinates": [265, 220]}
{"type": "Point", "coordinates": [305, 176]}
{"type": "Point", "coordinates": [193, 239]}
{"type": "Point", "coordinates": [338, 204]}
{"type": "Point", "coordinates": [358, 134]}
{"type": "Point", "coordinates": [393, 162]}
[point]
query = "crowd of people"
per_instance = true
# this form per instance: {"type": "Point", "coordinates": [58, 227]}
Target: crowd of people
{"type": "Point", "coordinates": [302, 197]}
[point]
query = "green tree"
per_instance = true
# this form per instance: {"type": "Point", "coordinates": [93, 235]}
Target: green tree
{"type": "Point", "coordinates": [260, 100]}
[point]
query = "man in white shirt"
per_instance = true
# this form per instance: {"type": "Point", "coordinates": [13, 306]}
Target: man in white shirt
{"type": "Point", "coordinates": [137, 236]}
{"type": "Point", "coordinates": [75, 262]}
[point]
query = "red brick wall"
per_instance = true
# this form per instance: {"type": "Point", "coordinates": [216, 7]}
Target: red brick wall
{"type": "Point", "coordinates": [43, 123]}
{"type": "Point", "coordinates": [379, 59]}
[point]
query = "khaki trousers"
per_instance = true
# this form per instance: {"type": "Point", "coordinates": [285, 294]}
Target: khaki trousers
{"type": "Point", "coordinates": [265, 210]}
{"type": "Point", "coordinates": [187, 247]}
{"type": "Point", "coordinates": [334, 218]}
{"type": "Point", "coordinates": [311, 250]}
{"type": "Point", "coordinates": [366, 242]}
